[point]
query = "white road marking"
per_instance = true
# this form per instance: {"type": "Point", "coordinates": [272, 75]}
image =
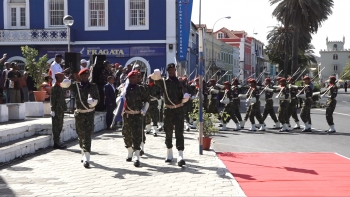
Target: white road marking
{"type": "Point", "coordinates": [342, 156]}
{"type": "Point", "coordinates": [333, 112]}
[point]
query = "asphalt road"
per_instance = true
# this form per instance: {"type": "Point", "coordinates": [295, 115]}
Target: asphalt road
{"type": "Point", "coordinates": [295, 141]}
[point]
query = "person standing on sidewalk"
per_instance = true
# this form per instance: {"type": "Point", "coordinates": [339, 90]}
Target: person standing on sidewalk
{"type": "Point", "coordinates": [174, 98]}
{"type": "Point", "coordinates": [135, 108]}
{"type": "Point", "coordinates": [58, 107]}
{"type": "Point", "coordinates": [87, 98]}
{"type": "Point", "coordinates": [332, 92]}
{"type": "Point", "coordinates": [14, 87]}
{"type": "Point", "coordinates": [110, 96]}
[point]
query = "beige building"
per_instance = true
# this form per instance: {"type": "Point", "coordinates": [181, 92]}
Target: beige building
{"type": "Point", "coordinates": [334, 58]}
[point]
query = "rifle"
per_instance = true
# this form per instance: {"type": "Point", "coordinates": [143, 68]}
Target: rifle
{"type": "Point", "coordinates": [334, 84]}
{"type": "Point", "coordinates": [271, 80]}
{"type": "Point", "coordinates": [260, 76]}
{"type": "Point", "coordinates": [301, 73]}
{"type": "Point", "coordinates": [223, 75]}
{"type": "Point", "coordinates": [310, 82]}
{"type": "Point", "coordinates": [214, 74]}
{"type": "Point", "coordinates": [191, 73]}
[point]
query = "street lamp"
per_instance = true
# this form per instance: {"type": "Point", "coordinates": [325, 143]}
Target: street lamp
{"type": "Point", "coordinates": [212, 43]}
{"type": "Point", "coordinates": [68, 21]}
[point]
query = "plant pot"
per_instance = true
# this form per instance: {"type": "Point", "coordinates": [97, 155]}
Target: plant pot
{"type": "Point", "coordinates": [206, 143]}
{"type": "Point", "coordinates": [39, 96]}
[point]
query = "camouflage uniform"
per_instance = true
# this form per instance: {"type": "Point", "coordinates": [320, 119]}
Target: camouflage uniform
{"type": "Point", "coordinates": [283, 107]}
{"type": "Point", "coordinates": [173, 116]}
{"type": "Point", "coordinates": [306, 108]}
{"type": "Point", "coordinates": [255, 107]}
{"type": "Point", "coordinates": [132, 118]}
{"type": "Point", "coordinates": [58, 105]}
{"type": "Point", "coordinates": [84, 121]}
{"type": "Point", "coordinates": [331, 104]}
{"type": "Point", "coordinates": [154, 93]}
{"type": "Point", "coordinates": [292, 106]}
{"type": "Point", "coordinates": [230, 109]}
{"type": "Point", "coordinates": [268, 109]}
{"type": "Point", "coordinates": [212, 106]}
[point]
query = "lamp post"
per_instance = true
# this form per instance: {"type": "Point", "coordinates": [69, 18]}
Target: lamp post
{"type": "Point", "coordinates": [212, 44]}
{"type": "Point", "coordinates": [68, 21]}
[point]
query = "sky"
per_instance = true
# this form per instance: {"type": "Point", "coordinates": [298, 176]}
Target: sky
{"type": "Point", "coordinates": [255, 16]}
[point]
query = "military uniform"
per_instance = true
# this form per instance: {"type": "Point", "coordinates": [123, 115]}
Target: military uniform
{"type": "Point", "coordinates": [331, 104]}
{"type": "Point", "coordinates": [173, 112]}
{"type": "Point", "coordinates": [154, 93]}
{"type": "Point", "coordinates": [87, 97]}
{"type": "Point", "coordinates": [283, 97]}
{"type": "Point", "coordinates": [58, 107]}
{"type": "Point", "coordinates": [292, 106]}
{"type": "Point", "coordinates": [306, 107]}
{"type": "Point", "coordinates": [230, 99]}
{"type": "Point", "coordinates": [188, 105]}
{"type": "Point", "coordinates": [212, 98]}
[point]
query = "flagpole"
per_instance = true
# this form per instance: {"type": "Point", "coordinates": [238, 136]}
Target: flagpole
{"type": "Point", "coordinates": [201, 65]}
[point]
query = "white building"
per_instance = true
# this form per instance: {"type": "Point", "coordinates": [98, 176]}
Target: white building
{"type": "Point", "coordinates": [334, 58]}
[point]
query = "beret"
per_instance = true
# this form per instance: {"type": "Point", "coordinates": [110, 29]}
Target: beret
{"type": "Point", "coordinates": [116, 65]}
{"type": "Point", "coordinates": [267, 79]}
{"type": "Point", "coordinates": [132, 73]}
{"type": "Point", "coordinates": [332, 78]}
{"type": "Point", "coordinates": [84, 71]}
{"type": "Point", "coordinates": [278, 78]}
{"type": "Point", "coordinates": [212, 80]}
{"type": "Point", "coordinates": [171, 65]}
{"type": "Point", "coordinates": [226, 83]}
{"type": "Point", "coordinates": [282, 80]}
{"type": "Point", "coordinates": [252, 81]}
{"type": "Point", "coordinates": [306, 78]}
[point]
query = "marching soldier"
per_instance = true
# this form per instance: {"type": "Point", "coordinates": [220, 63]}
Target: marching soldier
{"type": "Point", "coordinates": [58, 107]}
{"type": "Point", "coordinates": [212, 97]}
{"type": "Point", "coordinates": [188, 104]}
{"type": "Point", "coordinates": [332, 92]}
{"type": "Point", "coordinates": [268, 109]}
{"type": "Point", "coordinates": [87, 98]}
{"type": "Point", "coordinates": [249, 108]}
{"type": "Point", "coordinates": [154, 93]}
{"type": "Point", "coordinates": [136, 106]}
{"type": "Point", "coordinates": [306, 108]}
{"type": "Point", "coordinates": [174, 98]}
{"type": "Point", "coordinates": [292, 107]}
{"type": "Point", "coordinates": [236, 88]}
{"type": "Point", "coordinates": [254, 107]}
{"type": "Point", "coordinates": [230, 100]}
{"type": "Point", "coordinates": [146, 122]}
{"type": "Point", "coordinates": [283, 96]}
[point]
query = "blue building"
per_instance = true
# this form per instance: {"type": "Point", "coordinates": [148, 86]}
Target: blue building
{"type": "Point", "coordinates": [124, 30]}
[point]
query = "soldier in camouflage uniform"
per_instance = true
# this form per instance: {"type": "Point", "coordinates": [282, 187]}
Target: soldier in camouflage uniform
{"type": "Point", "coordinates": [188, 104]}
{"type": "Point", "coordinates": [87, 97]}
{"type": "Point", "coordinates": [253, 98]}
{"type": "Point", "coordinates": [174, 98]}
{"type": "Point", "coordinates": [249, 107]}
{"type": "Point", "coordinates": [136, 106]}
{"type": "Point", "coordinates": [268, 109]}
{"type": "Point", "coordinates": [154, 93]}
{"type": "Point", "coordinates": [283, 97]}
{"type": "Point", "coordinates": [306, 108]}
{"type": "Point", "coordinates": [58, 107]}
{"type": "Point", "coordinates": [230, 100]}
{"type": "Point", "coordinates": [292, 107]}
{"type": "Point", "coordinates": [213, 92]}
{"type": "Point", "coordinates": [332, 92]}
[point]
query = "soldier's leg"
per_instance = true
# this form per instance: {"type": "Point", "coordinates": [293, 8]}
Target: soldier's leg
{"type": "Point", "coordinates": [179, 135]}
{"type": "Point", "coordinates": [272, 113]}
{"type": "Point", "coordinates": [168, 129]}
{"type": "Point", "coordinates": [252, 118]}
{"type": "Point", "coordinates": [90, 129]}
{"type": "Point", "coordinates": [258, 113]}
{"type": "Point", "coordinates": [161, 117]}
{"type": "Point", "coordinates": [234, 118]}
{"type": "Point", "coordinates": [127, 135]}
{"type": "Point", "coordinates": [225, 117]}
{"type": "Point", "coordinates": [236, 104]}
{"type": "Point", "coordinates": [155, 117]}
{"type": "Point", "coordinates": [137, 134]}
{"type": "Point", "coordinates": [305, 116]}
{"type": "Point", "coordinates": [57, 124]}
{"type": "Point", "coordinates": [329, 115]}
{"type": "Point", "coordinates": [266, 111]}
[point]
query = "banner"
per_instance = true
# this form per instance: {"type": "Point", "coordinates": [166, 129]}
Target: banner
{"type": "Point", "coordinates": [108, 51]}
{"type": "Point", "coordinates": [144, 51]}
{"type": "Point", "coordinates": [184, 12]}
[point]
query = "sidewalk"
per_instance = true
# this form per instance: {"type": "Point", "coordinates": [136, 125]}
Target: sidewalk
{"type": "Point", "coordinates": [60, 172]}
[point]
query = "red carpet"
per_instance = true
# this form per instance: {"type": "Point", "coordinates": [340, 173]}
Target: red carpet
{"type": "Point", "coordinates": [290, 174]}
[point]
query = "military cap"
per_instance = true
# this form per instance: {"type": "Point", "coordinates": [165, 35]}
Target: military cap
{"type": "Point", "coordinates": [282, 80]}
{"type": "Point", "coordinates": [268, 79]}
{"type": "Point", "coordinates": [278, 78]}
{"type": "Point", "coordinates": [306, 78]}
{"type": "Point", "coordinates": [212, 80]}
{"type": "Point", "coordinates": [84, 71]}
{"type": "Point", "coordinates": [249, 79]}
{"type": "Point", "coordinates": [226, 83]}
{"type": "Point", "coordinates": [332, 78]}
{"type": "Point", "coordinates": [132, 73]}
{"type": "Point", "coordinates": [252, 81]}
{"type": "Point", "coordinates": [116, 65]}
{"type": "Point", "coordinates": [171, 65]}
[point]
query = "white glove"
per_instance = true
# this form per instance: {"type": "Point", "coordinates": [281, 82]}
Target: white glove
{"type": "Point", "coordinates": [156, 75]}
{"type": "Point", "coordinates": [239, 86]}
{"type": "Point", "coordinates": [209, 97]}
{"type": "Point", "coordinates": [316, 93]}
{"type": "Point", "coordinates": [253, 100]}
{"type": "Point", "coordinates": [242, 96]}
{"type": "Point", "coordinates": [277, 87]}
{"type": "Point", "coordinates": [269, 90]}
{"type": "Point", "coordinates": [159, 103]}
{"type": "Point", "coordinates": [225, 101]}
{"type": "Point", "coordinates": [220, 86]}
{"type": "Point", "coordinates": [213, 91]}
{"type": "Point", "coordinates": [52, 113]}
{"type": "Point", "coordinates": [66, 83]}
{"type": "Point", "coordinates": [92, 102]}
{"type": "Point", "coordinates": [292, 86]}
{"type": "Point", "coordinates": [186, 97]}
{"type": "Point", "coordinates": [302, 96]}
{"type": "Point", "coordinates": [144, 109]}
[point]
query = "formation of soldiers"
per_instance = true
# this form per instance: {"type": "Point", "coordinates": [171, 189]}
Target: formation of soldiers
{"type": "Point", "coordinates": [154, 103]}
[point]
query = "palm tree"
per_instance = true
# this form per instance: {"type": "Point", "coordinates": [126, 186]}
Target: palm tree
{"type": "Point", "coordinates": [305, 16]}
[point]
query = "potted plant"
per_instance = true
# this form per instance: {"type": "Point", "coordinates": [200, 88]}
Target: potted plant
{"type": "Point", "coordinates": [209, 127]}
{"type": "Point", "coordinates": [36, 69]}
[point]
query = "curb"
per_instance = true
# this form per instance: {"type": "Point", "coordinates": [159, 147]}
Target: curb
{"type": "Point", "coordinates": [228, 174]}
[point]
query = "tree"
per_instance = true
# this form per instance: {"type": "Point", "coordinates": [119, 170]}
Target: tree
{"type": "Point", "coordinates": [305, 16]}
{"type": "Point", "coordinates": [346, 69]}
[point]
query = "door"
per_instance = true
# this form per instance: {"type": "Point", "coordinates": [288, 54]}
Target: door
{"type": "Point", "coordinates": [17, 17]}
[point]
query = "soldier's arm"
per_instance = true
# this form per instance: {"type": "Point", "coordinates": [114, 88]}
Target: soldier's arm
{"type": "Point", "coordinates": [94, 92]}
{"type": "Point", "coordinates": [160, 83]}
{"type": "Point", "coordinates": [53, 100]}
{"type": "Point", "coordinates": [145, 95]}
{"type": "Point", "coordinates": [334, 92]}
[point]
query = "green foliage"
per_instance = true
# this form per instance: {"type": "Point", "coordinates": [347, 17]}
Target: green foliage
{"type": "Point", "coordinates": [346, 69]}
{"type": "Point", "coordinates": [209, 127]}
{"type": "Point", "coordinates": [35, 68]}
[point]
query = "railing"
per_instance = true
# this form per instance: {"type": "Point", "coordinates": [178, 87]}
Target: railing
{"type": "Point", "coordinates": [33, 35]}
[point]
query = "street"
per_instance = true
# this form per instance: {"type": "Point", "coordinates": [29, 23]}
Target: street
{"type": "Point", "coordinates": [294, 141]}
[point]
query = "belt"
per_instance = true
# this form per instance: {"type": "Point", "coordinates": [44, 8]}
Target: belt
{"type": "Point", "coordinates": [85, 110]}
{"type": "Point", "coordinates": [268, 99]}
{"type": "Point", "coordinates": [153, 99]}
{"type": "Point", "coordinates": [174, 106]}
{"type": "Point", "coordinates": [132, 112]}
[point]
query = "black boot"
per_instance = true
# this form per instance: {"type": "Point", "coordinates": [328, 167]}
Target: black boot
{"type": "Point", "coordinates": [58, 146]}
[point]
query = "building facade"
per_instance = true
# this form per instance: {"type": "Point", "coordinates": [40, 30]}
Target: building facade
{"type": "Point", "coordinates": [334, 58]}
{"type": "Point", "coordinates": [258, 60]}
{"type": "Point", "coordinates": [124, 30]}
{"type": "Point", "coordinates": [189, 66]}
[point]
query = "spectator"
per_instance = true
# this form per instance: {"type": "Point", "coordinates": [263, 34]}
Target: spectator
{"type": "Point", "coordinates": [123, 76]}
{"type": "Point", "coordinates": [346, 86]}
{"type": "Point", "coordinates": [118, 74]}
{"type": "Point", "coordinates": [129, 69]}
{"type": "Point", "coordinates": [5, 81]}
{"type": "Point", "coordinates": [110, 97]}
{"type": "Point", "coordinates": [30, 84]}
{"type": "Point", "coordinates": [24, 87]}
{"type": "Point", "coordinates": [45, 86]}
{"type": "Point", "coordinates": [14, 84]}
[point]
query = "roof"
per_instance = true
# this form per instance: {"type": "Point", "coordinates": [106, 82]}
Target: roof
{"type": "Point", "coordinates": [227, 32]}
{"type": "Point", "coordinates": [202, 26]}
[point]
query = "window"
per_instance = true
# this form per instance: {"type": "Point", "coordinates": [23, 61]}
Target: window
{"type": "Point", "coordinates": [16, 15]}
{"type": "Point", "coordinates": [55, 10]}
{"type": "Point", "coordinates": [335, 47]}
{"type": "Point", "coordinates": [136, 14]}
{"type": "Point", "coordinates": [220, 35]}
{"type": "Point", "coordinates": [335, 67]}
{"type": "Point", "coordinates": [335, 57]}
{"type": "Point", "coordinates": [96, 15]}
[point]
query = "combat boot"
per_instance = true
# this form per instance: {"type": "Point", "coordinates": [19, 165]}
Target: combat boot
{"type": "Point", "coordinates": [277, 125]}
{"type": "Point", "coordinates": [169, 155]}
{"type": "Point", "coordinates": [297, 126]}
{"type": "Point", "coordinates": [160, 127]}
{"type": "Point", "coordinates": [187, 126]}
{"type": "Point", "coordinates": [194, 125]}
{"type": "Point", "coordinates": [155, 131]}
{"type": "Point", "coordinates": [253, 128]}
{"type": "Point", "coordinates": [331, 129]}
{"type": "Point", "coordinates": [284, 128]}
{"type": "Point", "coordinates": [137, 158]}
{"type": "Point", "coordinates": [142, 152]}
{"type": "Point", "coordinates": [223, 127]}
{"type": "Point", "coordinates": [262, 128]}
{"type": "Point", "coordinates": [242, 124]}
{"type": "Point", "coordinates": [238, 127]}
{"type": "Point", "coordinates": [59, 146]}
{"type": "Point", "coordinates": [307, 127]}
{"type": "Point", "coordinates": [130, 152]}
{"type": "Point", "coordinates": [148, 129]}
{"type": "Point", "coordinates": [180, 159]}
{"type": "Point", "coordinates": [86, 160]}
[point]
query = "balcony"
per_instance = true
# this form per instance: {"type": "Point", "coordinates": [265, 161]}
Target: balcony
{"type": "Point", "coordinates": [33, 36]}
